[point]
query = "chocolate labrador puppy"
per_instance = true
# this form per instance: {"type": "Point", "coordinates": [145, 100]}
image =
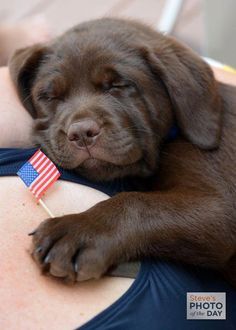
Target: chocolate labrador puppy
{"type": "Point", "coordinates": [104, 97]}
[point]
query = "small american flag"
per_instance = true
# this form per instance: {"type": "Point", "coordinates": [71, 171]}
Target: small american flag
{"type": "Point", "coordinates": [38, 173]}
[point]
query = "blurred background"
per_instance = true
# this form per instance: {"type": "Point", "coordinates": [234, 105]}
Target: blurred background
{"type": "Point", "coordinates": [208, 26]}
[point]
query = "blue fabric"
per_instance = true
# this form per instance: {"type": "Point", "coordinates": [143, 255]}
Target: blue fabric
{"type": "Point", "coordinates": [157, 298]}
{"type": "Point", "coordinates": [157, 301]}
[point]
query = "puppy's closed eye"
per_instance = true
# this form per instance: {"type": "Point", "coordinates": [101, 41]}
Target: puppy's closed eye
{"type": "Point", "coordinates": [54, 90]}
{"type": "Point", "coordinates": [115, 85]}
{"type": "Point", "coordinates": [108, 79]}
{"type": "Point", "coordinates": [46, 96]}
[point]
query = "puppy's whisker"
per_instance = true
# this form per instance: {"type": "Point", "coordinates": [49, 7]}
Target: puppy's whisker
{"type": "Point", "coordinates": [26, 98]}
{"type": "Point", "coordinates": [87, 149]}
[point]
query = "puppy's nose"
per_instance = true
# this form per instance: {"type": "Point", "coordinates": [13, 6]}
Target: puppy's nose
{"type": "Point", "coordinates": [84, 133]}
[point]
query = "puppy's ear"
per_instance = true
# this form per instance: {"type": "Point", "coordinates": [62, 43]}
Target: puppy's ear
{"type": "Point", "coordinates": [23, 67]}
{"type": "Point", "coordinates": [192, 89]}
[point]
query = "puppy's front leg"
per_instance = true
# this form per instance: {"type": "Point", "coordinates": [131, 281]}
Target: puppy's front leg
{"type": "Point", "coordinates": [190, 226]}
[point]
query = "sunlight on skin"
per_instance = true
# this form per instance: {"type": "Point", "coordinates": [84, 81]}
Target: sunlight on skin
{"type": "Point", "coordinates": [225, 76]}
{"type": "Point", "coordinates": [23, 33]}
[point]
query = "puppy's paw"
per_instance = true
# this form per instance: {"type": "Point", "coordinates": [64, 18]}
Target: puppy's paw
{"type": "Point", "coordinates": [75, 247]}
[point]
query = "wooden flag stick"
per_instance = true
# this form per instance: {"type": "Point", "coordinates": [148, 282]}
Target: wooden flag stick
{"type": "Point", "coordinates": [46, 208]}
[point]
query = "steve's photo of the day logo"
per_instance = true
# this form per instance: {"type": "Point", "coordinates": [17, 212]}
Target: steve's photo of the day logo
{"type": "Point", "coordinates": [206, 305]}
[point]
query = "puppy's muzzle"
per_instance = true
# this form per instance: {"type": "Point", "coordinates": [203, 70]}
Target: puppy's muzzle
{"type": "Point", "coordinates": [84, 133]}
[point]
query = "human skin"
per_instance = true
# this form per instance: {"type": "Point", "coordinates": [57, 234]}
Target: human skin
{"type": "Point", "coordinates": [21, 34]}
{"type": "Point", "coordinates": [30, 300]}
{"type": "Point", "coordinates": [13, 117]}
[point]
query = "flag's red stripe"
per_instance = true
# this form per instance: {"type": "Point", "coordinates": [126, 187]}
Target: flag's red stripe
{"type": "Point", "coordinates": [41, 176]}
{"type": "Point", "coordinates": [38, 179]}
{"type": "Point", "coordinates": [45, 178]}
{"type": "Point", "coordinates": [48, 186]}
{"type": "Point", "coordinates": [44, 165]}
{"type": "Point", "coordinates": [39, 162]}
{"type": "Point", "coordinates": [36, 158]}
{"type": "Point", "coordinates": [34, 155]}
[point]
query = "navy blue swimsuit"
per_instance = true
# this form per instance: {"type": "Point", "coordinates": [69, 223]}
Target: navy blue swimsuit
{"type": "Point", "coordinates": [157, 298]}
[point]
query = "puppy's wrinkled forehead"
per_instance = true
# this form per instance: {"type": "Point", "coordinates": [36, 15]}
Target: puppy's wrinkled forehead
{"type": "Point", "coordinates": [81, 59]}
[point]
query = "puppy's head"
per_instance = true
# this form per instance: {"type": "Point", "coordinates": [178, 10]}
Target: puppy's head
{"type": "Point", "coordinates": [105, 94]}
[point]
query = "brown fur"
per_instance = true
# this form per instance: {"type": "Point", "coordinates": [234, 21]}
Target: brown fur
{"type": "Point", "coordinates": [134, 83]}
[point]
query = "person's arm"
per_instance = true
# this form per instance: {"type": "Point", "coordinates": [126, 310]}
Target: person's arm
{"type": "Point", "coordinates": [225, 76]}
{"type": "Point", "coordinates": [15, 122]}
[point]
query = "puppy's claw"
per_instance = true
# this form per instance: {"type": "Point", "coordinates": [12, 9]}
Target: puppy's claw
{"type": "Point", "coordinates": [47, 259]}
{"type": "Point", "coordinates": [39, 249]}
{"type": "Point", "coordinates": [32, 232]}
{"type": "Point", "coordinates": [76, 267]}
